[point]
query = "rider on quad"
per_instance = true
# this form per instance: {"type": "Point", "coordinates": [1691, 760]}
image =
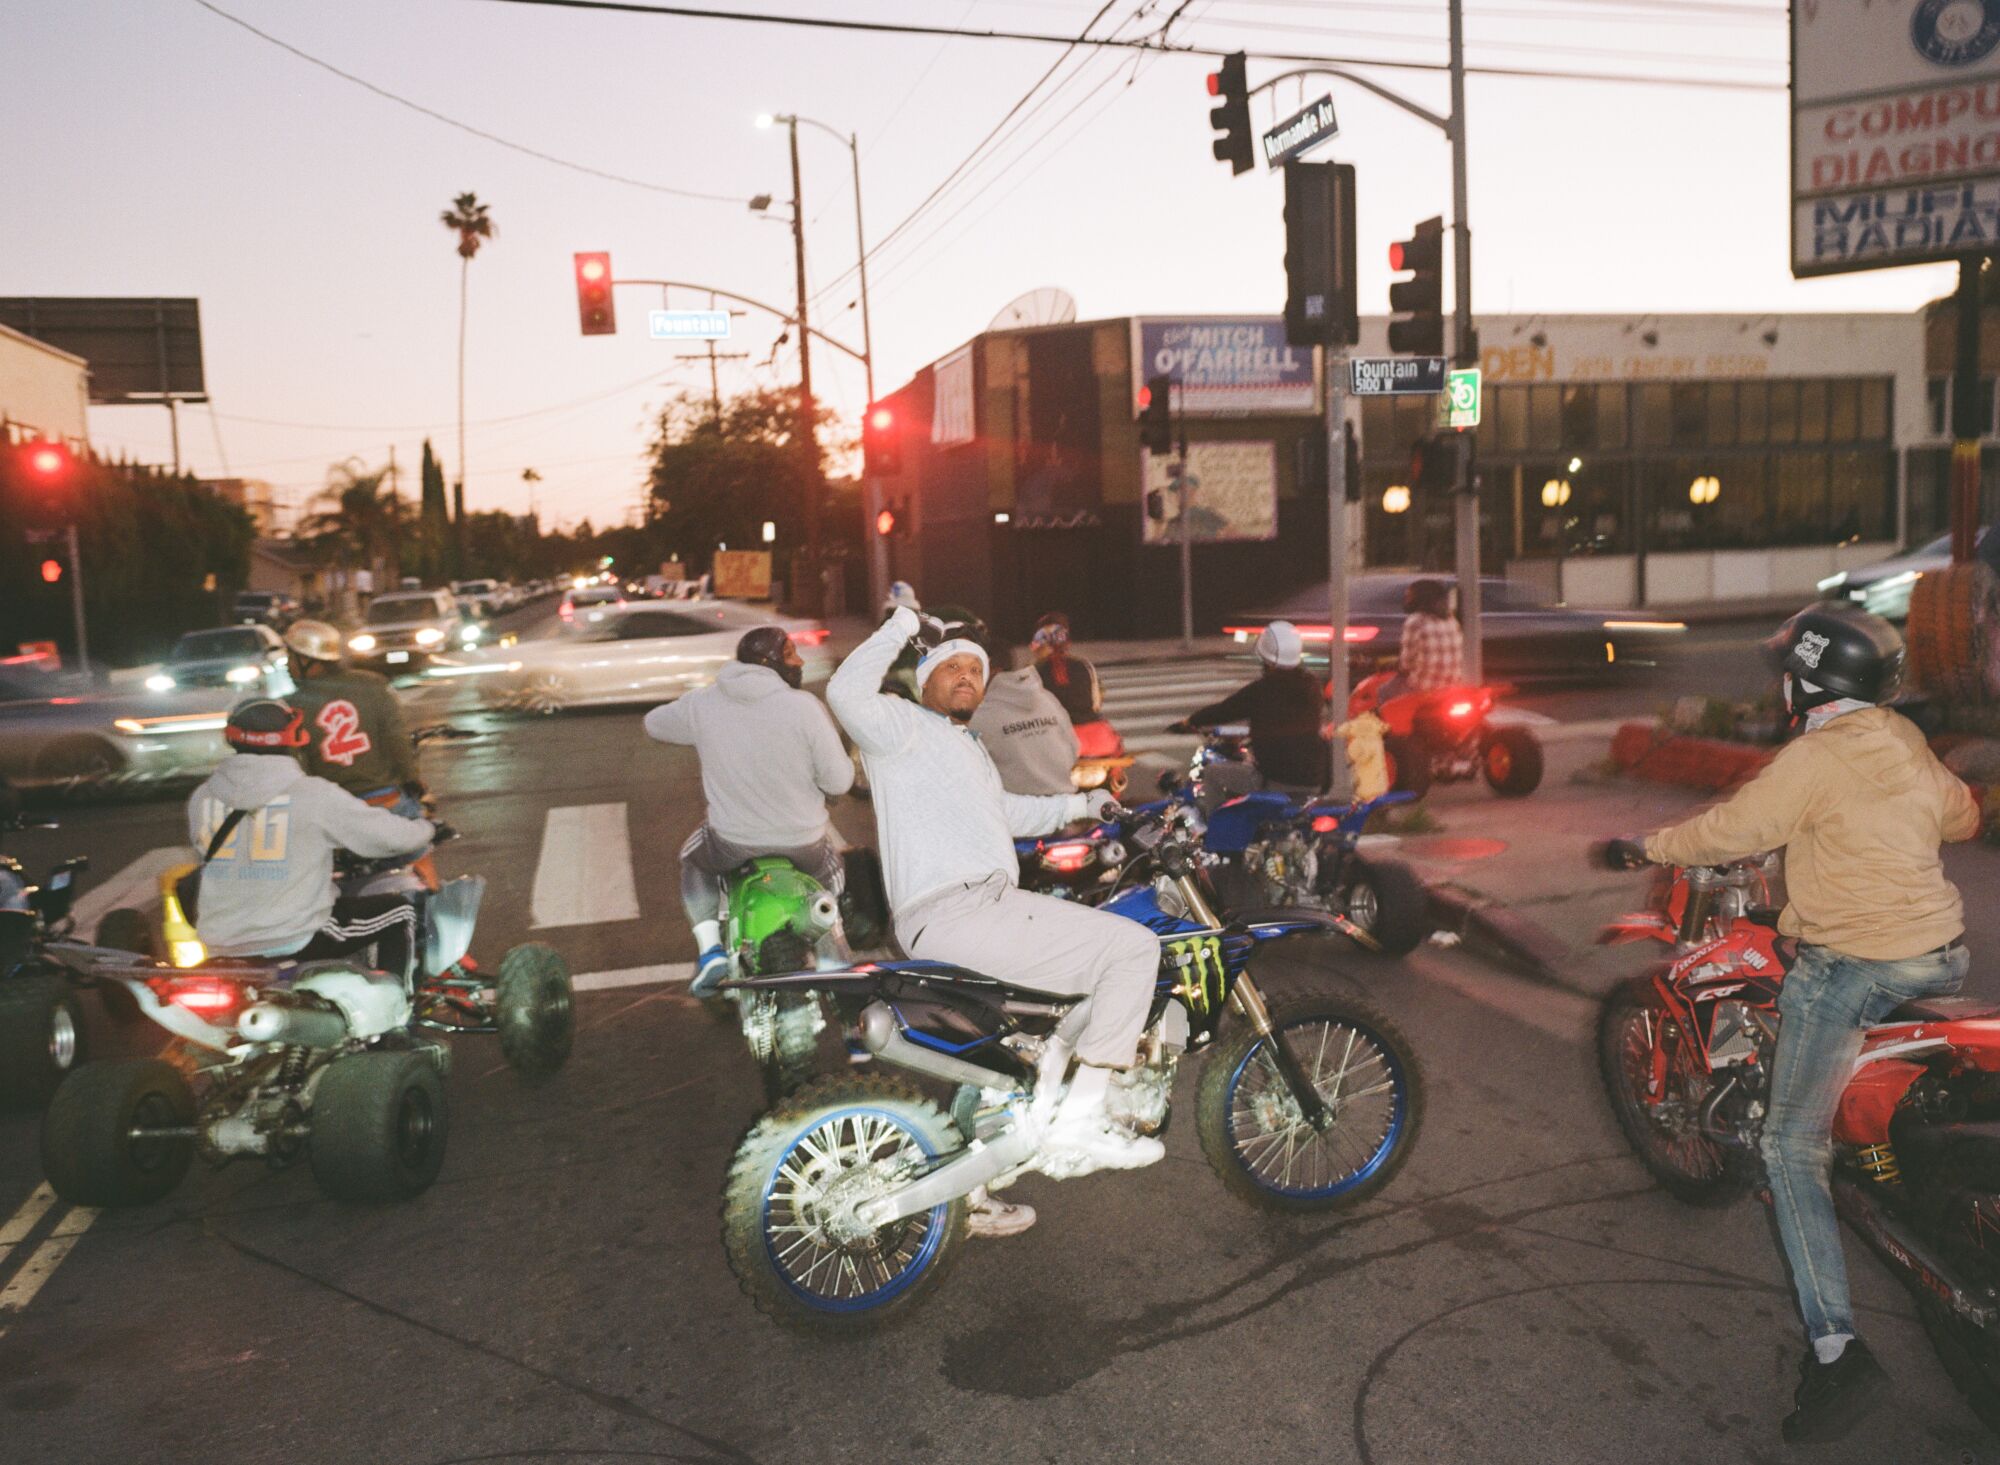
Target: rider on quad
{"type": "Point", "coordinates": [1283, 707]}
{"type": "Point", "coordinates": [1433, 644]}
{"type": "Point", "coordinates": [770, 759]}
{"type": "Point", "coordinates": [355, 736]}
{"type": "Point", "coordinates": [947, 829]}
{"type": "Point", "coordinates": [1860, 806]}
{"type": "Point", "coordinates": [268, 831]}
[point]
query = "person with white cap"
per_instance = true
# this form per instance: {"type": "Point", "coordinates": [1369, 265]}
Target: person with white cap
{"type": "Point", "coordinates": [1283, 706]}
{"type": "Point", "coordinates": [947, 831]}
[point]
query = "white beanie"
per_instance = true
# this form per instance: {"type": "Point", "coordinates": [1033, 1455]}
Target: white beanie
{"type": "Point", "coordinates": [1280, 644]}
{"type": "Point", "coordinates": [939, 654]}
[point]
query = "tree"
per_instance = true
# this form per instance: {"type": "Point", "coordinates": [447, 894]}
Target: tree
{"type": "Point", "coordinates": [434, 522]}
{"type": "Point", "coordinates": [469, 219]}
{"type": "Point", "coordinates": [356, 523]}
{"type": "Point", "coordinates": [716, 478]}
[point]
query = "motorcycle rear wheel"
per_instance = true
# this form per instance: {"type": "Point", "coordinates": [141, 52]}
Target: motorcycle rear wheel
{"type": "Point", "coordinates": [1689, 1166]}
{"type": "Point", "coordinates": [1387, 900]}
{"type": "Point", "coordinates": [796, 1171]}
{"type": "Point", "coordinates": [1257, 1142]}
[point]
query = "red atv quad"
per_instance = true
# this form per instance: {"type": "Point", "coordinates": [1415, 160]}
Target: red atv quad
{"type": "Point", "coordinates": [1446, 736]}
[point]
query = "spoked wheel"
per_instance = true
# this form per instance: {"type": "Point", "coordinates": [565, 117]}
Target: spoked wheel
{"type": "Point", "coordinates": [1257, 1137]}
{"type": "Point", "coordinates": [1667, 1135]}
{"type": "Point", "coordinates": [789, 1222]}
{"type": "Point", "coordinates": [544, 693]}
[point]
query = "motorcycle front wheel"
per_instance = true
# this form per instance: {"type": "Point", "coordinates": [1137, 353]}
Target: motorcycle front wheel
{"type": "Point", "coordinates": [788, 1225]}
{"type": "Point", "coordinates": [1689, 1165]}
{"type": "Point", "coordinates": [1255, 1134]}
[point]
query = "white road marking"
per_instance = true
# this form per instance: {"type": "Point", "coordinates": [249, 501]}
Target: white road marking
{"type": "Point", "coordinates": [137, 885]}
{"type": "Point", "coordinates": [18, 1225]}
{"type": "Point", "coordinates": [43, 1261]}
{"type": "Point", "coordinates": [636, 976]}
{"type": "Point", "coordinates": [1566, 1016]}
{"type": "Point", "coordinates": [584, 875]}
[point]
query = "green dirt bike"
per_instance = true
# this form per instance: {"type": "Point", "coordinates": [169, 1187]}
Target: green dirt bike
{"type": "Point", "coordinates": [778, 919]}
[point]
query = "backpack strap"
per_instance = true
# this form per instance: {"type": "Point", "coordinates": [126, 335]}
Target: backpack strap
{"type": "Point", "coordinates": [223, 831]}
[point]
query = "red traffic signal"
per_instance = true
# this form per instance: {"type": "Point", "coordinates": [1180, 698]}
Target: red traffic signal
{"type": "Point", "coordinates": [1418, 301]}
{"type": "Point", "coordinates": [593, 294]}
{"type": "Point", "coordinates": [885, 523]}
{"type": "Point", "coordinates": [881, 443]}
{"type": "Point", "coordinates": [1231, 120]}
{"type": "Point", "coordinates": [47, 464]}
{"type": "Point", "coordinates": [51, 571]}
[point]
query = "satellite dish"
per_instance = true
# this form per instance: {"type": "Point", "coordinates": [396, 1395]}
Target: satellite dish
{"type": "Point", "coordinates": [1047, 306]}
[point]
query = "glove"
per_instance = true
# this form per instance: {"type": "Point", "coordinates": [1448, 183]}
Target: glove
{"type": "Point", "coordinates": [930, 631]}
{"type": "Point", "coordinates": [1101, 807]}
{"type": "Point", "coordinates": [1621, 854]}
{"type": "Point", "coordinates": [441, 832]}
{"type": "Point", "coordinates": [1183, 726]}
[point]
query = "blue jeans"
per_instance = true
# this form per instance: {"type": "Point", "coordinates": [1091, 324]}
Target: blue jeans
{"type": "Point", "coordinates": [1827, 1001]}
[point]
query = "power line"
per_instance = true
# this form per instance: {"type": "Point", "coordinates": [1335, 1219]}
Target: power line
{"type": "Point", "coordinates": [466, 127]}
{"type": "Point", "coordinates": [1474, 43]}
{"type": "Point", "coordinates": [602, 396]}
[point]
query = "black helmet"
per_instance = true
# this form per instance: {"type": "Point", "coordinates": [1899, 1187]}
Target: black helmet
{"type": "Point", "coordinates": [766, 646]}
{"type": "Point", "coordinates": [265, 725]}
{"type": "Point", "coordinates": [1832, 650]}
{"type": "Point", "coordinates": [961, 622]}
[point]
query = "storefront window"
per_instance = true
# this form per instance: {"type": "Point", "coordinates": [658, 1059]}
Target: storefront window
{"type": "Point", "coordinates": [1690, 415]}
{"type": "Point", "coordinates": [1752, 402]}
{"type": "Point", "coordinates": [1544, 418]}
{"type": "Point", "coordinates": [1579, 416]}
{"type": "Point", "coordinates": [1798, 510]}
{"type": "Point", "coordinates": [1861, 496]}
{"type": "Point", "coordinates": [1784, 418]}
{"type": "Point", "coordinates": [1654, 409]}
{"type": "Point", "coordinates": [1874, 410]}
{"type": "Point", "coordinates": [1843, 411]}
{"type": "Point", "coordinates": [1721, 413]}
{"type": "Point", "coordinates": [1611, 416]}
{"type": "Point", "coordinates": [1510, 418]}
{"type": "Point", "coordinates": [1812, 410]}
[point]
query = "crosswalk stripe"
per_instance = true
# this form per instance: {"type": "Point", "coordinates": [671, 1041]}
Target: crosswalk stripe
{"type": "Point", "coordinates": [136, 884]}
{"type": "Point", "coordinates": [18, 1225]}
{"type": "Point", "coordinates": [637, 976]}
{"type": "Point", "coordinates": [43, 1261]}
{"type": "Point", "coordinates": [584, 874]}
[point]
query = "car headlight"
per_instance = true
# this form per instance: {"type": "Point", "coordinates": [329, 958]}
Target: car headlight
{"type": "Point", "coordinates": [362, 642]}
{"type": "Point", "coordinates": [159, 682]}
{"type": "Point", "coordinates": [1832, 582]}
{"type": "Point", "coordinates": [429, 636]}
{"type": "Point", "coordinates": [241, 674]}
{"type": "Point", "coordinates": [468, 634]}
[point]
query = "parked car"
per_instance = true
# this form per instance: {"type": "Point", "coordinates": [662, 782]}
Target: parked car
{"type": "Point", "coordinates": [271, 608]}
{"type": "Point", "coordinates": [1523, 636]}
{"type": "Point", "coordinates": [1884, 587]}
{"type": "Point", "coordinates": [401, 632]}
{"type": "Point", "coordinates": [589, 606]}
{"type": "Point", "coordinates": [649, 652]}
{"type": "Point", "coordinates": [242, 658]}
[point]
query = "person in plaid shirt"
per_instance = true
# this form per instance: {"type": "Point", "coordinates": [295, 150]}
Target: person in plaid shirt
{"type": "Point", "coordinates": [1433, 653]}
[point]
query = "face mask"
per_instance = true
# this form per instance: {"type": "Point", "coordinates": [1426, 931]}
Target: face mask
{"type": "Point", "coordinates": [795, 676]}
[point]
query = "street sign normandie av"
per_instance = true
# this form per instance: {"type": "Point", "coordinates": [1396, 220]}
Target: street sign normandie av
{"type": "Point", "coordinates": [1395, 376]}
{"type": "Point", "coordinates": [1300, 133]}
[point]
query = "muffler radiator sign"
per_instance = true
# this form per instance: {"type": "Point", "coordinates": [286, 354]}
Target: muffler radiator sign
{"type": "Point", "coordinates": [1895, 132]}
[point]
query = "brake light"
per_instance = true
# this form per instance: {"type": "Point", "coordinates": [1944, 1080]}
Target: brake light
{"type": "Point", "coordinates": [1325, 824]}
{"type": "Point", "coordinates": [1459, 709]}
{"type": "Point", "coordinates": [814, 637]}
{"type": "Point", "coordinates": [207, 997]}
{"type": "Point", "coordinates": [1068, 857]}
{"type": "Point", "coordinates": [567, 611]}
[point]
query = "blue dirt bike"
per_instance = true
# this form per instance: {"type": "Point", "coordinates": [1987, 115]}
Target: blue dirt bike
{"type": "Point", "coordinates": [846, 1203]}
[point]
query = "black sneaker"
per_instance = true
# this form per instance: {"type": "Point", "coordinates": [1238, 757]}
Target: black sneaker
{"type": "Point", "coordinates": [1834, 1397]}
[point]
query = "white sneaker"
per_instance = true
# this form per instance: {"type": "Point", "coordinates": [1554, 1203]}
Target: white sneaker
{"type": "Point", "coordinates": [991, 1217]}
{"type": "Point", "coordinates": [1090, 1142]}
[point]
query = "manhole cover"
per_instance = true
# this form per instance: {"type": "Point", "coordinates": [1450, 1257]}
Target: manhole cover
{"type": "Point", "coordinates": [1447, 847]}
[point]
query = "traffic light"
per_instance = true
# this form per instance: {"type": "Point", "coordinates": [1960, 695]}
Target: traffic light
{"type": "Point", "coordinates": [1419, 299]}
{"type": "Point", "coordinates": [1321, 304]}
{"type": "Point", "coordinates": [51, 571]}
{"type": "Point", "coordinates": [885, 523]}
{"type": "Point", "coordinates": [893, 522]}
{"type": "Point", "coordinates": [1434, 463]}
{"type": "Point", "coordinates": [1231, 119]}
{"type": "Point", "coordinates": [881, 443]}
{"type": "Point", "coordinates": [593, 295]}
{"type": "Point", "coordinates": [1156, 424]}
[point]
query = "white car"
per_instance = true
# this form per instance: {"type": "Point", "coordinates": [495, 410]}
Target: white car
{"type": "Point", "coordinates": [649, 652]}
{"type": "Point", "coordinates": [1883, 588]}
{"type": "Point", "coordinates": [480, 597]}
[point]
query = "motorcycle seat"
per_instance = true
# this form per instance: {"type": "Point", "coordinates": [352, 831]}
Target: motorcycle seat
{"type": "Point", "coordinates": [1944, 1009]}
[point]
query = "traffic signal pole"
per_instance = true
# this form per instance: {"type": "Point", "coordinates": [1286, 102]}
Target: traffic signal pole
{"type": "Point", "coordinates": [1333, 368]}
{"type": "Point", "coordinates": [1466, 353]}
{"type": "Point", "coordinates": [76, 599]}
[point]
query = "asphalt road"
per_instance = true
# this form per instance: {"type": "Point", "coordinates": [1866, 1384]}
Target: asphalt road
{"type": "Point", "coordinates": [1520, 1293]}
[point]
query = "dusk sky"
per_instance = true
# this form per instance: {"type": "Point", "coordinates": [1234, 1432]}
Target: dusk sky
{"type": "Point", "coordinates": [156, 148]}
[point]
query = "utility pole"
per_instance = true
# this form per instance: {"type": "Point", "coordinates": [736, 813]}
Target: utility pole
{"type": "Point", "coordinates": [76, 598]}
{"type": "Point", "coordinates": [1465, 353]}
{"type": "Point", "coordinates": [1333, 370]}
{"type": "Point", "coordinates": [808, 437]}
{"type": "Point", "coordinates": [1968, 419]}
{"type": "Point", "coordinates": [1185, 483]}
{"type": "Point", "coordinates": [714, 377]}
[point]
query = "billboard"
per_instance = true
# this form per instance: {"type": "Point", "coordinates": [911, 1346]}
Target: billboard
{"type": "Point", "coordinates": [1235, 494]}
{"type": "Point", "coordinates": [140, 349]}
{"type": "Point", "coordinates": [742, 574]}
{"type": "Point", "coordinates": [1226, 367]}
{"type": "Point", "coordinates": [1895, 132]}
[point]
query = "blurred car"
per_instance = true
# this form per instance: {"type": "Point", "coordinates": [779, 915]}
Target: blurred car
{"type": "Point", "coordinates": [403, 631]}
{"type": "Point", "coordinates": [478, 597]}
{"type": "Point", "coordinates": [587, 606]}
{"type": "Point", "coordinates": [271, 608]}
{"type": "Point", "coordinates": [1522, 635]}
{"type": "Point", "coordinates": [244, 659]}
{"type": "Point", "coordinates": [649, 652]}
{"type": "Point", "coordinates": [81, 744]}
{"type": "Point", "coordinates": [1884, 587]}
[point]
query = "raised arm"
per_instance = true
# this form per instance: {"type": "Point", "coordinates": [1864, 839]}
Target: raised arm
{"type": "Point", "coordinates": [879, 724]}
{"type": "Point", "coordinates": [1032, 814]}
{"type": "Point", "coordinates": [1762, 815]}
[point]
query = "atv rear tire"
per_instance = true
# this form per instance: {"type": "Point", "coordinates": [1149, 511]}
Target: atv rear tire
{"type": "Point", "coordinates": [1394, 901]}
{"type": "Point", "coordinates": [535, 1009]}
{"type": "Point", "coordinates": [41, 1036]}
{"type": "Point", "coordinates": [88, 1151]}
{"type": "Point", "coordinates": [1511, 759]}
{"type": "Point", "coordinates": [379, 1123]}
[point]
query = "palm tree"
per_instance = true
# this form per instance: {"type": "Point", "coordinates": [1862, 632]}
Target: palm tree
{"type": "Point", "coordinates": [355, 519]}
{"type": "Point", "coordinates": [468, 218]}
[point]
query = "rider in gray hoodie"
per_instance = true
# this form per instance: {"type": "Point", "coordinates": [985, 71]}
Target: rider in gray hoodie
{"type": "Point", "coordinates": [770, 758]}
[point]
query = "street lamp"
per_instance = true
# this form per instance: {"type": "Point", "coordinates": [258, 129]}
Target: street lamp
{"type": "Point", "coordinates": [878, 566]}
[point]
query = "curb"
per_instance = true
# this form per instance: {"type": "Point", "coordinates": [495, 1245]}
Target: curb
{"type": "Point", "coordinates": [1498, 934]}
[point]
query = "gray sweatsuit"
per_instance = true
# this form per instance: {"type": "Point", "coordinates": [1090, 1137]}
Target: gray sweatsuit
{"type": "Point", "coordinates": [947, 830]}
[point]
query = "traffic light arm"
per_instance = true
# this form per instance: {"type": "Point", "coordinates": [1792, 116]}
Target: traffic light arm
{"type": "Point", "coordinates": [785, 316]}
{"type": "Point", "coordinates": [1442, 124]}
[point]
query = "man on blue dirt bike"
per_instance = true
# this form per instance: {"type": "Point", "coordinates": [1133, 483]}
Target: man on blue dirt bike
{"type": "Point", "coordinates": [947, 830]}
{"type": "Point", "coordinates": [1284, 707]}
{"type": "Point", "coordinates": [770, 759]}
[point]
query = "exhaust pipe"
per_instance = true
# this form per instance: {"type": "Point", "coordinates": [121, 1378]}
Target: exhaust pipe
{"type": "Point", "coordinates": [881, 1036]}
{"type": "Point", "coordinates": [297, 1027]}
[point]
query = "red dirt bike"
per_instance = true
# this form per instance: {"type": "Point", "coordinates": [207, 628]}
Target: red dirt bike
{"type": "Point", "coordinates": [1686, 1052]}
{"type": "Point", "coordinates": [1446, 736]}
